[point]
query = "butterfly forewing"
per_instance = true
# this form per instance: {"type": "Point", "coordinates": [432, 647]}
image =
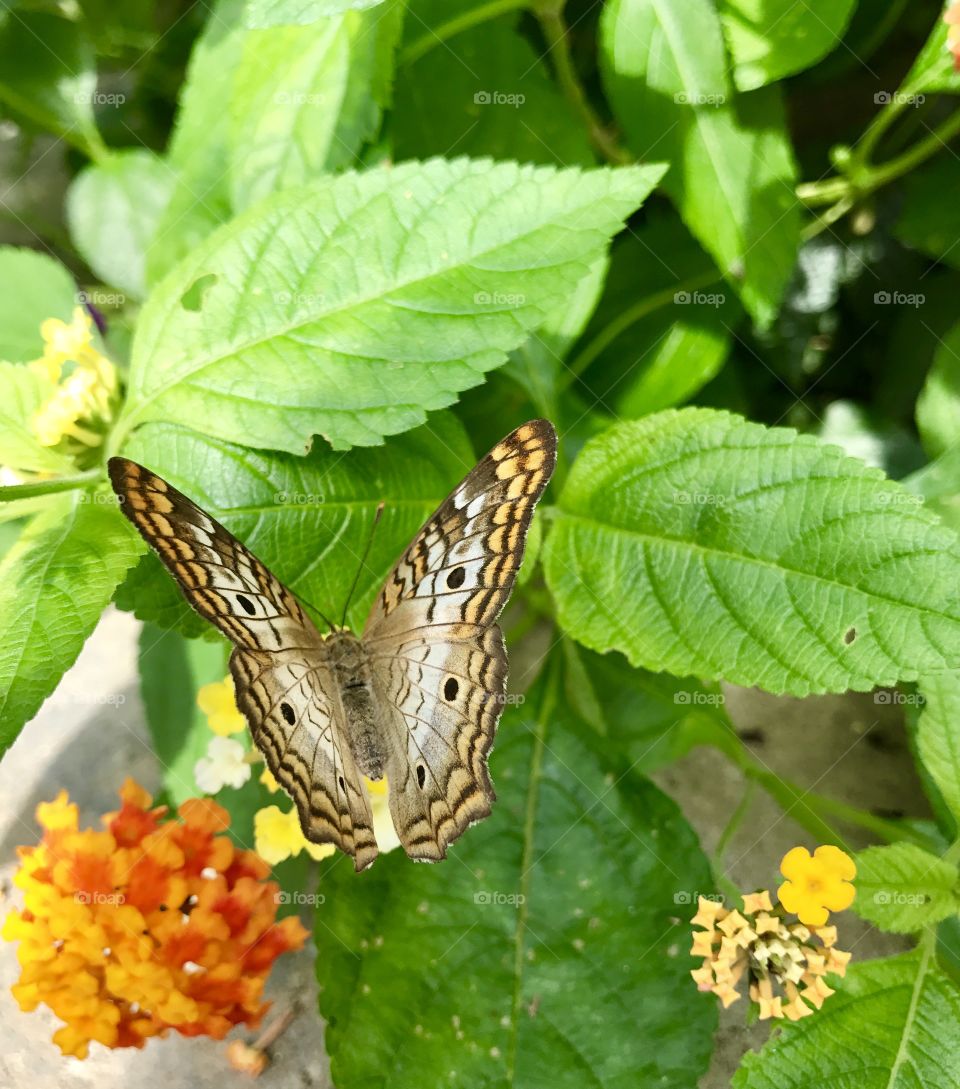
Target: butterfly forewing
{"type": "Point", "coordinates": [436, 653]}
{"type": "Point", "coordinates": [283, 683]}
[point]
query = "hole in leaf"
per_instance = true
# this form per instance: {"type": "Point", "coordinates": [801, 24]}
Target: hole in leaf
{"type": "Point", "coordinates": [421, 775]}
{"type": "Point", "coordinates": [849, 636]}
{"type": "Point", "coordinates": [192, 299]}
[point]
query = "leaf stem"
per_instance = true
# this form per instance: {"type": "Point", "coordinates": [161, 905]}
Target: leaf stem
{"type": "Point", "coordinates": [10, 492]}
{"type": "Point", "coordinates": [457, 25]}
{"type": "Point", "coordinates": [631, 316]}
{"type": "Point", "coordinates": [549, 14]}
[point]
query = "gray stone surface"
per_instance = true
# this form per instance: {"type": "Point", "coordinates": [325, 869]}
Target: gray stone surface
{"type": "Point", "coordinates": [90, 735]}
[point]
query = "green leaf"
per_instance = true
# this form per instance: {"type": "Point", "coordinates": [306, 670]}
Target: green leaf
{"type": "Point", "coordinates": [647, 719]}
{"type": "Point", "coordinates": [484, 91]}
{"type": "Point", "coordinates": [551, 932]}
{"type": "Point", "coordinates": [696, 542]}
{"type": "Point", "coordinates": [891, 1025]}
{"type": "Point", "coordinates": [24, 391]}
{"type": "Point", "coordinates": [903, 888]}
{"type": "Point", "coordinates": [938, 736]}
{"type": "Point", "coordinates": [537, 365]}
{"type": "Point", "coordinates": [113, 209]}
{"type": "Point", "coordinates": [934, 69]}
{"type": "Point", "coordinates": [172, 670]}
{"type": "Point", "coordinates": [308, 98]}
{"type": "Point", "coordinates": [54, 583]}
{"type": "Point", "coordinates": [35, 288]}
{"type": "Point", "coordinates": [288, 322]}
{"type": "Point", "coordinates": [938, 485]}
{"type": "Point", "coordinates": [938, 406]}
{"type": "Point", "coordinates": [732, 172]}
{"type": "Point", "coordinates": [47, 74]}
{"type": "Point", "coordinates": [308, 519]}
{"type": "Point", "coordinates": [662, 329]}
{"type": "Point", "coordinates": [930, 220]}
{"type": "Point", "coordinates": [268, 13]}
{"type": "Point", "coordinates": [770, 39]}
{"type": "Point", "coordinates": [199, 150]}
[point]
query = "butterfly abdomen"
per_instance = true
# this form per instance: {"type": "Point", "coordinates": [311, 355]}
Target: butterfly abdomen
{"type": "Point", "coordinates": [351, 668]}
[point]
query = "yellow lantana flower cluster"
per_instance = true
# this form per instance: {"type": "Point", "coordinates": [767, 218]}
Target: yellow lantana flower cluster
{"type": "Point", "coordinates": [83, 385]}
{"type": "Point", "coordinates": [784, 963]}
{"type": "Point", "coordinates": [148, 925]}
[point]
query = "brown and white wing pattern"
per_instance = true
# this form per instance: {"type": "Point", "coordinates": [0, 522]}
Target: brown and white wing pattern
{"type": "Point", "coordinates": [283, 683]}
{"type": "Point", "coordinates": [437, 655]}
{"type": "Point", "coordinates": [293, 721]}
{"type": "Point", "coordinates": [218, 576]}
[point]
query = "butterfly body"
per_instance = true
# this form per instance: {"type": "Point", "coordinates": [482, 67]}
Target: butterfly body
{"type": "Point", "coordinates": [416, 698]}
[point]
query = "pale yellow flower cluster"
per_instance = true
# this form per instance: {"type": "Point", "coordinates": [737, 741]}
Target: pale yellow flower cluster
{"type": "Point", "coordinates": [83, 384]}
{"type": "Point", "coordinates": [773, 955]}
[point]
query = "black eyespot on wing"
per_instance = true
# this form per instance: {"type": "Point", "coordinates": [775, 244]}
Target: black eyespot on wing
{"type": "Point", "coordinates": [451, 688]}
{"type": "Point", "coordinates": [246, 604]}
{"type": "Point", "coordinates": [287, 711]}
{"type": "Point", "coordinates": [343, 785]}
{"type": "Point", "coordinates": [456, 578]}
{"type": "Point", "coordinates": [421, 775]}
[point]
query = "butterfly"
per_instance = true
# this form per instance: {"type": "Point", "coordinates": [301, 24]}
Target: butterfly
{"type": "Point", "coordinates": [415, 698]}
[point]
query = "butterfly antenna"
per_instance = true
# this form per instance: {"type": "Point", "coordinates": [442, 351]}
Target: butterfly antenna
{"type": "Point", "coordinates": [322, 615]}
{"type": "Point", "coordinates": [363, 562]}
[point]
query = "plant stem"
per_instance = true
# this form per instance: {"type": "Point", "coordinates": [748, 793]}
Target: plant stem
{"type": "Point", "coordinates": [48, 487]}
{"type": "Point", "coordinates": [549, 14]}
{"type": "Point", "coordinates": [459, 23]}
{"type": "Point", "coordinates": [736, 819]}
{"type": "Point", "coordinates": [631, 316]}
{"type": "Point", "coordinates": [865, 179]}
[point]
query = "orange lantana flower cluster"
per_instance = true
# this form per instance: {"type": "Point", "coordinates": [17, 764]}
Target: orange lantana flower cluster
{"type": "Point", "coordinates": [149, 925]}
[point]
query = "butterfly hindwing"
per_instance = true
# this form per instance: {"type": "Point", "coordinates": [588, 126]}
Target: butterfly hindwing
{"type": "Point", "coordinates": [438, 658]}
{"type": "Point", "coordinates": [284, 696]}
